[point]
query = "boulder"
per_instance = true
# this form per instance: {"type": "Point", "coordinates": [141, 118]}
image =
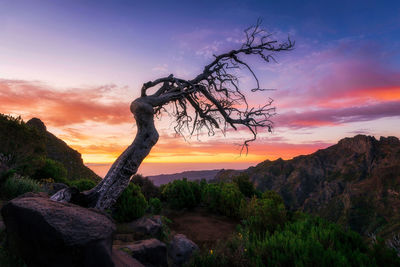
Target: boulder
{"type": "Point", "coordinates": [144, 226]}
{"type": "Point", "coordinates": [123, 259]}
{"type": "Point", "coordinates": [48, 233]}
{"type": "Point", "coordinates": [150, 252]}
{"type": "Point", "coordinates": [181, 249]}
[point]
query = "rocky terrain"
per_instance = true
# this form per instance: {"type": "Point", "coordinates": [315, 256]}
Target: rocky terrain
{"type": "Point", "coordinates": [355, 183]}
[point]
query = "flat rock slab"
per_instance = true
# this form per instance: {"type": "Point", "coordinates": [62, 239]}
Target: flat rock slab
{"type": "Point", "coordinates": [48, 233]}
{"type": "Point", "coordinates": [150, 252]}
{"type": "Point", "coordinates": [122, 259]}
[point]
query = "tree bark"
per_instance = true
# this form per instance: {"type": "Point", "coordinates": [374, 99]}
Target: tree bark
{"type": "Point", "coordinates": [106, 193]}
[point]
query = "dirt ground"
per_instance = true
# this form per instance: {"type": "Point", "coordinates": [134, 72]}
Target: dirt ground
{"type": "Point", "coordinates": [202, 227]}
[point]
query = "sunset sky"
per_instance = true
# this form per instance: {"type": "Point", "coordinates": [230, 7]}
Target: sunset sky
{"type": "Point", "coordinates": [77, 65]}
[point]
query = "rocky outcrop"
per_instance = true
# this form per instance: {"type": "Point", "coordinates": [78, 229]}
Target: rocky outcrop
{"type": "Point", "coordinates": [355, 182]}
{"type": "Point", "coordinates": [57, 149]}
{"type": "Point", "coordinates": [48, 233]}
{"type": "Point", "coordinates": [150, 252]}
{"type": "Point", "coordinates": [181, 249]}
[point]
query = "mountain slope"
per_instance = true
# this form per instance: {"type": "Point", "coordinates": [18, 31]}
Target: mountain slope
{"type": "Point", "coordinates": [25, 146]}
{"type": "Point", "coordinates": [355, 182]}
{"type": "Point", "coordinates": [57, 149]}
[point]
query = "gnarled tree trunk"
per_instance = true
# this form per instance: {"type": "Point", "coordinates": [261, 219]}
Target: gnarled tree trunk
{"type": "Point", "coordinates": [104, 195]}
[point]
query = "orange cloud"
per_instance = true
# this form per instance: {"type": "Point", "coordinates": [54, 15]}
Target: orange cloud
{"type": "Point", "coordinates": [60, 108]}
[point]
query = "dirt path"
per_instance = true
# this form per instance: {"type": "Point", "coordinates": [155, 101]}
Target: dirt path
{"type": "Point", "coordinates": [202, 227]}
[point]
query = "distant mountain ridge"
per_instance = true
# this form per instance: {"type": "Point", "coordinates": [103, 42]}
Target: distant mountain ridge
{"type": "Point", "coordinates": [190, 175]}
{"type": "Point", "coordinates": [355, 182]}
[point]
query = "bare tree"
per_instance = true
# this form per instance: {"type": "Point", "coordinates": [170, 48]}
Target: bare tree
{"type": "Point", "coordinates": [212, 100]}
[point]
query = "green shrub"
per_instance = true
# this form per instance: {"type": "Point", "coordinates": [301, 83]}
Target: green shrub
{"type": "Point", "coordinates": [83, 184]}
{"type": "Point", "coordinates": [230, 200]}
{"type": "Point", "coordinates": [52, 169]}
{"type": "Point", "coordinates": [308, 241]}
{"type": "Point", "coordinates": [155, 205]}
{"type": "Point", "coordinates": [263, 215]}
{"type": "Point", "coordinates": [17, 185]}
{"type": "Point", "coordinates": [179, 194]}
{"type": "Point", "coordinates": [147, 186]}
{"type": "Point", "coordinates": [245, 185]}
{"type": "Point", "coordinates": [130, 205]}
{"type": "Point", "coordinates": [223, 198]}
{"type": "Point", "coordinates": [211, 195]}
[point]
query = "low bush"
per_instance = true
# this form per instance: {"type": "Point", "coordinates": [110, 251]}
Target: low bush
{"type": "Point", "coordinates": [147, 186]}
{"type": "Point", "coordinates": [155, 205]}
{"type": "Point", "coordinates": [17, 185]}
{"type": "Point", "coordinates": [307, 241]}
{"type": "Point", "coordinates": [230, 200]}
{"type": "Point", "coordinates": [83, 184]}
{"type": "Point", "coordinates": [130, 205]}
{"type": "Point", "coordinates": [263, 215]}
{"type": "Point", "coordinates": [211, 195]}
{"type": "Point", "coordinates": [245, 185]}
{"type": "Point", "coordinates": [179, 194]}
{"type": "Point", "coordinates": [223, 198]}
{"type": "Point", "coordinates": [52, 169]}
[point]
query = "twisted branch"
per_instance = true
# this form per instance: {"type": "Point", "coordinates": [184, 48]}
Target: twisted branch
{"type": "Point", "coordinates": [214, 95]}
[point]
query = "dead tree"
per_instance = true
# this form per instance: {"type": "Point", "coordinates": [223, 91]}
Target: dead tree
{"type": "Point", "coordinates": [212, 100]}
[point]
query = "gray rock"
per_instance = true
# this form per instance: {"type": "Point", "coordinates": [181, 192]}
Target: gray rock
{"type": "Point", "coordinates": [123, 259]}
{"type": "Point", "coordinates": [48, 233]}
{"type": "Point", "coordinates": [181, 249]}
{"type": "Point", "coordinates": [150, 252]}
{"type": "Point", "coordinates": [52, 188]}
{"type": "Point", "coordinates": [146, 226]}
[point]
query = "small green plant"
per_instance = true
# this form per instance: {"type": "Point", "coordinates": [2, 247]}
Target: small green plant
{"type": "Point", "coordinates": [83, 184]}
{"type": "Point", "coordinates": [155, 205]}
{"type": "Point", "coordinates": [17, 185]}
{"type": "Point", "coordinates": [165, 232]}
{"type": "Point", "coordinates": [130, 205]}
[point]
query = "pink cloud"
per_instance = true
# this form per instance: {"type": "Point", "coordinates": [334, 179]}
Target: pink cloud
{"type": "Point", "coordinates": [332, 116]}
{"type": "Point", "coordinates": [60, 108]}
